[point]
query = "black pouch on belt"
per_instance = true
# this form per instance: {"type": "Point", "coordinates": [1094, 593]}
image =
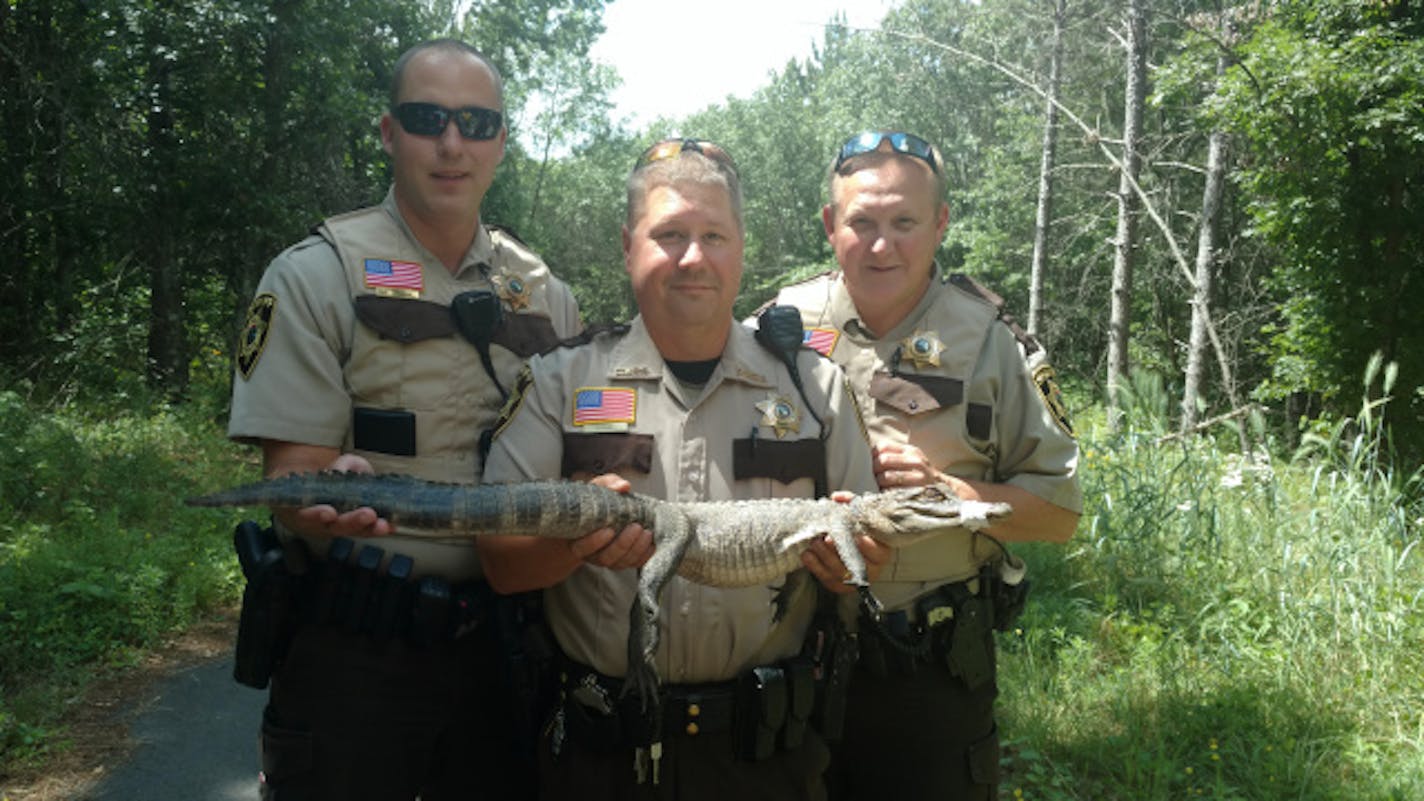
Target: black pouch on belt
{"type": "Point", "coordinates": [967, 652]}
{"type": "Point", "coordinates": [761, 712]}
{"type": "Point", "coordinates": [800, 700]}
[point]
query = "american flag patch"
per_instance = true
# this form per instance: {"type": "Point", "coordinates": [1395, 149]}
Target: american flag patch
{"type": "Point", "coordinates": [605, 405]}
{"type": "Point", "coordinates": [401, 276]}
{"type": "Point", "coordinates": [821, 340]}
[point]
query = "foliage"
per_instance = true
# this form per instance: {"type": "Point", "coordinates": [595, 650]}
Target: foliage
{"type": "Point", "coordinates": [1222, 626]}
{"type": "Point", "coordinates": [1330, 98]}
{"type": "Point", "coordinates": [98, 559]}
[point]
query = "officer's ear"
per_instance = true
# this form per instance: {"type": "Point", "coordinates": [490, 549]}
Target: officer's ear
{"type": "Point", "coordinates": [387, 132]}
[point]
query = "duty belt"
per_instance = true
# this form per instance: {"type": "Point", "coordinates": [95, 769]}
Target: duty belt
{"type": "Point", "coordinates": [767, 708]}
{"type": "Point", "coordinates": [352, 593]}
{"type": "Point", "coordinates": [951, 625]}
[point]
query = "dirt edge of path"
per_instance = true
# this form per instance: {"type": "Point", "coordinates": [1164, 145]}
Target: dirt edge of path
{"type": "Point", "coordinates": [95, 735]}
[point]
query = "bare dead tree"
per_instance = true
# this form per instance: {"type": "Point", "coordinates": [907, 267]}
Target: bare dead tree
{"type": "Point", "coordinates": [1124, 242]}
{"type": "Point", "coordinates": [1044, 215]}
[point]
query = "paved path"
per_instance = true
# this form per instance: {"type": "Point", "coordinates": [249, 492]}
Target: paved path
{"type": "Point", "coordinates": [197, 740]}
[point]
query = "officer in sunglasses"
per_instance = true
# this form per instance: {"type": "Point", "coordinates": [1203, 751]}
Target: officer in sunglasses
{"type": "Point", "coordinates": [952, 391]}
{"type": "Point", "coordinates": [685, 404]}
{"type": "Point", "coordinates": [387, 341]}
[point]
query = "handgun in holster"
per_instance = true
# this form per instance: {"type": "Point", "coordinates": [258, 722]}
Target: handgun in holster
{"type": "Point", "coordinates": [1008, 590]}
{"type": "Point", "coordinates": [265, 628]}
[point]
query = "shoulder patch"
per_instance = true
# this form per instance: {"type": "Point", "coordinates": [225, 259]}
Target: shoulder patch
{"type": "Point", "coordinates": [254, 333]}
{"type": "Point", "coordinates": [1046, 379]}
{"type": "Point", "coordinates": [514, 401]}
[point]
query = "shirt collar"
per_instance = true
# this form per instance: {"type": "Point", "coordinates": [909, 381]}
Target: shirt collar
{"type": "Point", "coordinates": [480, 255]}
{"type": "Point", "coordinates": [845, 317]}
{"type": "Point", "coordinates": [743, 360]}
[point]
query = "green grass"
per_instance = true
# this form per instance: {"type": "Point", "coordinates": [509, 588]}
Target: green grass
{"type": "Point", "coordinates": [98, 558]}
{"type": "Point", "coordinates": [1223, 627]}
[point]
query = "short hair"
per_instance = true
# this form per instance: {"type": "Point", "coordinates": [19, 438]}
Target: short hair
{"type": "Point", "coordinates": [450, 45]}
{"type": "Point", "coordinates": [687, 167]}
{"type": "Point", "coordinates": [876, 157]}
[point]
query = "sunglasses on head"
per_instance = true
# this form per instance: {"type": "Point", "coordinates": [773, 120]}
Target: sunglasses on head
{"type": "Point", "coordinates": [672, 148]}
{"type": "Point", "coordinates": [428, 119]}
{"type": "Point", "coordinates": [900, 142]}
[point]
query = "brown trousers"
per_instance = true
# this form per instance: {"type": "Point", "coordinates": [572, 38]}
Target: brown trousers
{"type": "Point", "coordinates": [353, 720]}
{"type": "Point", "coordinates": [921, 736]}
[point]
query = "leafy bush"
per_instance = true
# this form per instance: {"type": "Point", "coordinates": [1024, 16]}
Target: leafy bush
{"type": "Point", "coordinates": [98, 558]}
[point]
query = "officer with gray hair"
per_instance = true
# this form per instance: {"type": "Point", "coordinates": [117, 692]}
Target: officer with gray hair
{"type": "Point", "coordinates": [683, 404]}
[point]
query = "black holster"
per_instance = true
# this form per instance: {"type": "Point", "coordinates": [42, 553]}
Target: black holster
{"type": "Point", "coordinates": [264, 631]}
{"type": "Point", "coordinates": [833, 651]}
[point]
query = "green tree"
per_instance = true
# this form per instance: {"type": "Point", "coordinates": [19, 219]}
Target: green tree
{"type": "Point", "coordinates": [1328, 99]}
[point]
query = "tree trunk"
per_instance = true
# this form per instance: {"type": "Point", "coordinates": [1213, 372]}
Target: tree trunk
{"type": "Point", "coordinates": [1044, 215]}
{"type": "Point", "coordinates": [167, 365]}
{"type": "Point", "coordinates": [1205, 271]}
{"type": "Point", "coordinates": [1120, 322]}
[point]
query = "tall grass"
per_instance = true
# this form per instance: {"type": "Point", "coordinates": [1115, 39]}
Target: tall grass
{"type": "Point", "coordinates": [1225, 626]}
{"type": "Point", "coordinates": [98, 559]}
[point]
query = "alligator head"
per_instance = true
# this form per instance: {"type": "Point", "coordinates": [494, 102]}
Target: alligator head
{"type": "Point", "coordinates": [903, 515]}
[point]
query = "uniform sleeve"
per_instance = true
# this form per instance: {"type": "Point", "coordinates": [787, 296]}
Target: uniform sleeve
{"type": "Point", "coordinates": [1035, 452]}
{"type": "Point", "coordinates": [848, 460]}
{"type": "Point", "coordinates": [529, 439]}
{"type": "Point", "coordinates": [293, 388]}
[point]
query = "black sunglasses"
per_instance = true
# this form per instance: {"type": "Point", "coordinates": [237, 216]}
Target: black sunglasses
{"type": "Point", "coordinates": [428, 119]}
{"type": "Point", "coordinates": [900, 142]}
{"type": "Point", "coordinates": [671, 148]}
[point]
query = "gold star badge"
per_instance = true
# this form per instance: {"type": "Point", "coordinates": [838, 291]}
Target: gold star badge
{"type": "Point", "coordinates": [512, 289]}
{"type": "Point", "coordinates": [923, 348]}
{"type": "Point", "coordinates": [780, 414]}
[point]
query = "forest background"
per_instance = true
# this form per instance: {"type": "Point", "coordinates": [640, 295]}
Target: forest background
{"type": "Point", "coordinates": [1210, 214]}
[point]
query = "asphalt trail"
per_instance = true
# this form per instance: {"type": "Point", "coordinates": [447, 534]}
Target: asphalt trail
{"type": "Point", "coordinates": [196, 732]}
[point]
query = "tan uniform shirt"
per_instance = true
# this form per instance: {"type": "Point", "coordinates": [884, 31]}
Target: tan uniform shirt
{"type": "Point", "coordinates": [351, 344]}
{"type": "Point", "coordinates": [951, 380]}
{"type": "Point", "coordinates": [613, 406]}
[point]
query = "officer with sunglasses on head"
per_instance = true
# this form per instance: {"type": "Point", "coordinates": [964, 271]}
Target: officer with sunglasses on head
{"type": "Point", "coordinates": [387, 341]}
{"type": "Point", "coordinates": [683, 404]}
{"type": "Point", "coordinates": [952, 391]}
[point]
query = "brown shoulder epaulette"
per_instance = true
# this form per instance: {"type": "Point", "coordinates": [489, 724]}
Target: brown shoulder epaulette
{"type": "Point", "coordinates": [1026, 340]}
{"type": "Point", "coordinates": [592, 332]}
{"type": "Point", "coordinates": [976, 289]}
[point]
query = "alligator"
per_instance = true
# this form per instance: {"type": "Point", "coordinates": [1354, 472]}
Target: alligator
{"type": "Point", "coordinates": [717, 543]}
